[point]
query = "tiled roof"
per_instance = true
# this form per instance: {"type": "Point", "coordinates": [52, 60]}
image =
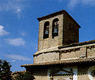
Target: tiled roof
{"type": "Point", "coordinates": [51, 15]}
{"type": "Point", "coordinates": [73, 61]}
{"type": "Point", "coordinates": [55, 14]}
{"type": "Point", "coordinates": [79, 44]}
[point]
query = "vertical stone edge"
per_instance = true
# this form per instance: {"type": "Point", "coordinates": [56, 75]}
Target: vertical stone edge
{"type": "Point", "coordinates": [75, 71]}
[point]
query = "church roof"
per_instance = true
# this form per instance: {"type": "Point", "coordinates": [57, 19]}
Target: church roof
{"type": "Point", "coordinates": [79, 44]}
{"type": "Point", "coordinates": [55, 14]}
{"type": "Point", "coordinates": [64, 62]}
{"type": "Point", "coordinates": [68, 61]}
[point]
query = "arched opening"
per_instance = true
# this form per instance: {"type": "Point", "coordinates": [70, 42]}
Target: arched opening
{"type": "Point", "coordinates": [46, 30]}
{"type": "Point", "coordinates": [55, 27]}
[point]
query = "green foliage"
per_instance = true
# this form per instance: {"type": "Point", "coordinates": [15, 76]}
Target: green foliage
{"type": "Point", "coordinates": [19, 76]}
{"type": "Point", "coordinates": [24, 76]}
{"type": "Point", "coordinates": [5, 73]}
{"type": "Point", "coordinates": [28, 76]}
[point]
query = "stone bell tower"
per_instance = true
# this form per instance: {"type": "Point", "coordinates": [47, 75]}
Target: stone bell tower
{"type": "Point", "coordinates": [57, 29]}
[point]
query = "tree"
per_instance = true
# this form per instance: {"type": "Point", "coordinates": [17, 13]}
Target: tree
{"type": "Point", "coordinates": [5, 73]}
{"type": "Point", "coordinates": [28, 76]}
{"type": "Point", "coordinates": [23, 76]}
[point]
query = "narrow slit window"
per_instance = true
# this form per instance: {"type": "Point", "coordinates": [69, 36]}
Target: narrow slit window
{"type": "Point", "coordinates": [46, 30]}
{"type": "Point", "coordinates": [55, 27]}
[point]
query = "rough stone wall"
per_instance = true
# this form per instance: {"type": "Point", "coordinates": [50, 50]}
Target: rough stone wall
{"type": "Point", "coordinates": [46, 57]}
{"type": "Point", "coordinates": [50, 42]}
{"type": "Point", "coordinates": [68, 32]}
{"type": "Point", "coordinates": [71, 31]}
{"type": "Point", "coordinates": [75, 54]}
{"type": "Point", "coordinates": [86, 51]}
{"type": "Point", "coordinates": [83, 73]}
{"type": "Point", "coordinates": [91, 51]}
{"type": "Point", "coordinates": [67, 54]}
{"type": "Point", "coordinates": [64, 77]}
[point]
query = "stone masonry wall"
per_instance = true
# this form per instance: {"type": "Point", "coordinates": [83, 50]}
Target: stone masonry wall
{"type": "Point", "coordinates": [71, 31]}
{"type": "Point", "coordinates": [86, 51]}
{"type": "Point", "coordinates": [68, 32]}
{"type": "Point", "coordinates": [46, 57]}
{"type": "Point", "coordinates": [83, 73]}
{"type": "Point", "coordinates": [80, 73]}
{"type": "Point", "coordinates": [50, 42]}
{"type": "Point", "coordinates": [91, 51]}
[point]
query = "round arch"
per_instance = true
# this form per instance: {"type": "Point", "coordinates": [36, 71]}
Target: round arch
{"type": "Point", "coordinates": [55, 27]}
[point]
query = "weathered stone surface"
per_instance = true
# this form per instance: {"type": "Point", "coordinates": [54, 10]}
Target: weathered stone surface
{"type": "Point", "coordinates": [46, 57]}
{"type": "Point", "coordinates": [68, 32]}
{"type": "Point", "coordinates": [77, 52]}
{"type": "Point", "coordinates": [63, 47]}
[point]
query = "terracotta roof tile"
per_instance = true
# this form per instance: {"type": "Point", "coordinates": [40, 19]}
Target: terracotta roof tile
{"type": "Point", "coordinates": [73, 61]}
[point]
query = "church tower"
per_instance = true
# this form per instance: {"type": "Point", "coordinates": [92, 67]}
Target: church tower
{"type": "Point", "coordinates": [60, 56]}
{"type": "Point", "coordinates": [57, 29]}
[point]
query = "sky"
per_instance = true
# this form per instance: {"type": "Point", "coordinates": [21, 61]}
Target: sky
{"type": "Point", "coordinates": [19, 26]}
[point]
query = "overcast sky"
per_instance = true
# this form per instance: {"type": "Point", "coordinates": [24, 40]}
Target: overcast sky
{"type": "Point", "coordinates": [19, 25]}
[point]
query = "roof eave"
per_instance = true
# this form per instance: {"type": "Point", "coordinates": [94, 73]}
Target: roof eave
{"type": "Point", "coordinates": [63, 62]}
{"type": "Point", "coordinates": [55, 14]}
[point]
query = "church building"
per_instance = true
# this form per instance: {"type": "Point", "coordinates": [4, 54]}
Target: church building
{"type": "Point", "coordinates": [60, 55]}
